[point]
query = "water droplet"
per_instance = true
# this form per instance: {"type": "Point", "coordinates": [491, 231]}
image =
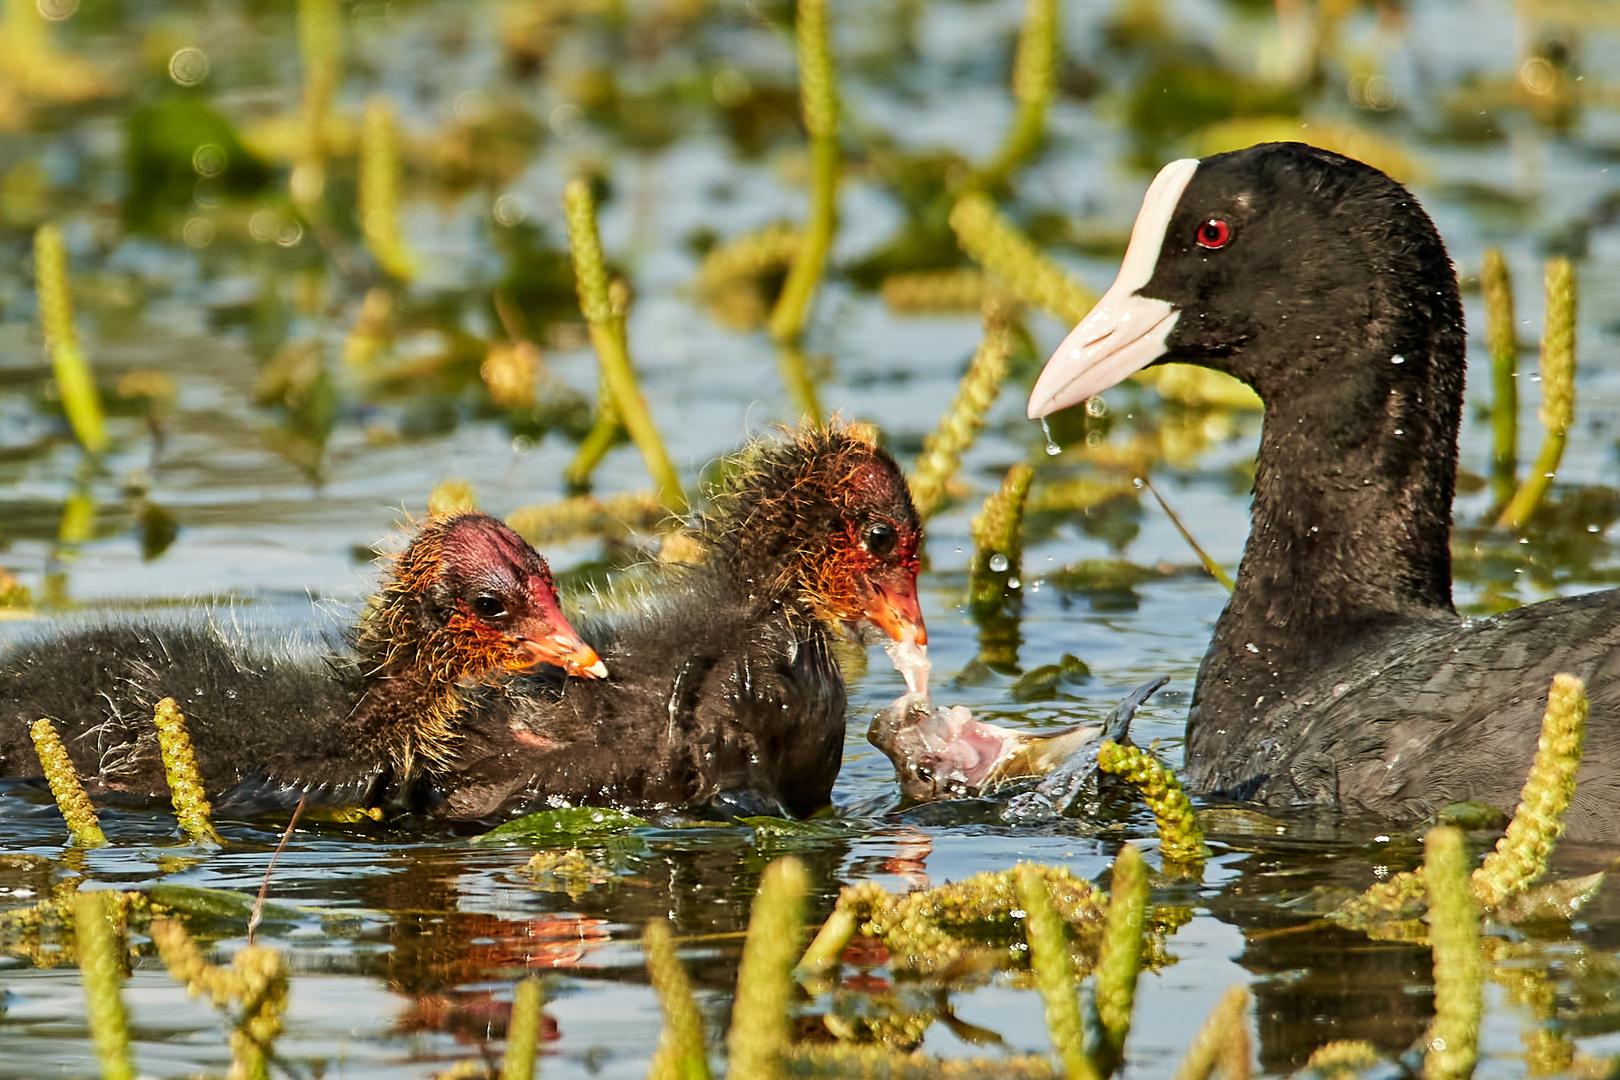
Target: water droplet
{"type": "Point", "coordinates": [998, 562]}
{"type": "Point", "coordinates": [1397, 359]}
{"type": "Point", "coordinates": [1052, 448]}
{"type": "Point", "coordinates": [188, 66]}
{"type": "Point", "coordinates": [1252, 647]}
{"type": "Point", "coordinates": [1096, 406]}
{"type": "Point", "coordinates": [1014, 583]}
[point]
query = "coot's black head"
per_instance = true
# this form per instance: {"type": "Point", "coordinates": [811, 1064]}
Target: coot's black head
{"type": "Point", "coordinates": [469, 599]}
{"type": "Point", "coordinates": [825, 515]}
{"type": "Point", "coordinates": [1273, 264]}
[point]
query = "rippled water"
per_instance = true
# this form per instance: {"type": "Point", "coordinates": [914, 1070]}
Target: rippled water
{"type": "Point", "coordinates": [404, 948]}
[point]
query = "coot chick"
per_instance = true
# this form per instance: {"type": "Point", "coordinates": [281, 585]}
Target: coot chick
{"type": "Point", "coordinates": [1339, 670]}
{"type": "Point", "coordinates": [724, 695]}
{"type": "Point", "coordinates": [464, 608]}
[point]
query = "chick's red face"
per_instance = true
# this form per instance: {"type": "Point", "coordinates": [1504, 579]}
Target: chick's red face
{"type": "Point", "coordinates": [502, 607]}
{"type": "Point", "coordinates": [871, 570]}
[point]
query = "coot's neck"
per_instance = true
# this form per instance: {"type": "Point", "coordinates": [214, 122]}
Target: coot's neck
{"type": "Point", "coordinates": [1352, 501]}
{"type": "Point", "coordinates": [411, 701]}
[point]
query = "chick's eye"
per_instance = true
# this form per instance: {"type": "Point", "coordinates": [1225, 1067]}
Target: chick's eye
{"type": "Point", "coordinates": [880, 540]}
{"type": "Point", "coordinates": [1214, 233]}
{"type": "Point", "coordinates": [486, 606]}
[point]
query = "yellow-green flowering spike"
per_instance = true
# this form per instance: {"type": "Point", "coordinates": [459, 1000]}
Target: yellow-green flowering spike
{"type": "Point", "coordinates": [1557, 393]}
{"type": "Point", "coordinates": [681, 1043]}
{"type": "Point", "coordinates": [191, 804]}
{"type": "Point", "coordinates": [1453, 1042]}
{"type": "Point", "coordinates": [101, 963]}
{"type": "Point", "coordinates": [1501, 338]}
{"type": "Point", "coordinates": [997, 245]}
{"type": "Point", "coordinates": [452, 497]}
{"type": "Point", "coordinates": [759, 1018]}
{"type": "Point", "coordinates": [523, 1033]}
{"type": "Point", "coordinates": [935, 290]}
{"type": "Point", "coordinates": [379, 191]}
{"type": "Point", "coordinates": [998, 530]}
{"type": "Point", "coordinates": [818, 89]}
{"type": "Point", "coordinates": [1034, 76]}
{"type": "Point", "coordinates": [962, 422]}
{"type": "Point", "coordinates": [63, 778]}
{"type": "Point", "coordinates": [262, 994]}
{"type": "Point", "coordinates": [1180, 838]}
{"type": "Point", "coordinates": [73, 379]}
{"type": "Point", "coordinates": [1222, 1042]}
{"type": "Point", "coordinates": [1054, 974]}
{"type": "Point", "coordinates": [586, 514]}
{"type": "Point", "coordinates": [590, 279]}
{"type": "Point", "coordinates": [1521, 855]}
{"type": "Point", "coordinates": [1343, 1058]}
{"type": "Point", "coordinates": [1120, 959]}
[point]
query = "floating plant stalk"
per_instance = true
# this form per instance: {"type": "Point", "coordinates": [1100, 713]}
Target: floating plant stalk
{"type": "Point", "coordinates": [1180, 838]}
{"type": "Point", "coordinates": [1521, 855]}
{"type": "Point", "coordinates": [1213, 567]}
{"type": "Point", "coordinates": [590, 278]}
{"type": "Point", "coordinates": [101, 964]}
{"type": "Point", "coordinates": [73, 378]}
{"type": "Point", "coordinates": [1502, 340]}
{"type": "Point", "coordinates": [680, 1047]}
{"type": "Point", "coordinates": [1054, 974]}
{"type": "Point", "coordinates": [1453, 1040]}
{"type": "Point", "coordinates": [1120, 958]}
{"type": "Point", "coordinates": [818, 91]}
{"type": "Point", "coordinates": [960, 426]}
{"type": "Point", "coordinates": [1557, 393]}
{"type": "Point", "coordinates": [379, 191]}
{"type": "Point", "coordinates": [83, 827]}
{"type": "Point", "coordinates": [1222, 1042]}
{"type": "Point", "coordinates": [180, 770]}
{"type": "Point", "coordinates": [320, 30]}
{"type": "Point", "coordinates": [1034, 75]}
{"type": "Point", "coordinates": [830, 941]}
{"type": "Point", "coordinates": [759, 1017]}
{"type": "Point", "coordinates": [997, 245]}
{"type": "Point", "coordinates": [582, 514]}
{"type": "Point", "coordinates": [523, 1032]}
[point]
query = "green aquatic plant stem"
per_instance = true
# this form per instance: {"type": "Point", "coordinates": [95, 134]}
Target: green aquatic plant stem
{"type": "Point", "coordinates": [74, 381]}
{"type": "Point", "coordinates": [998, 530]}
{"type": "Point", "coordinates": [379, 191]}
{"type": "Point", "coordinates": [1054, 974]}
{"type": "Point", "coordinates": [680, 1048]}
{"type": "Point", "coordinates": [1453, 1040]}
{"type": "Point", "coordinates": [997, 245]}
{"type": "Point", "coordinates": [523, 1033]}
{"type": "Point", "coordinates": [1502, 340]}
{"type": "Point", "coordinates": [1521, 854]}
{"type": "Point", "coordinates": [759, 1017]}
{"type": "Point", "coordinates": [1119, 960]}
{"type": "Point", "coordinates": [320, 32]}
{"type": "Point", "coordinates": [830, 941]}
{"type": "Point", "coordinates": [960, 426]}
{"type": "Point", "coordinates": [1557, 393]}
{"type": "Point", "coordinates": [101, 963]}
{"type": "Point", "coordinates": [801, 385]}
{"type": "Point", "coordinates": [1034, 77]}
{"type": "Point", "coordinates": [1223, 1041]}
{"type": "Point", "coordinates": [1213, 567]}
{"type": "Point", "coordinates": [590, 278]}
{"type": "Point", "coordinates": [818, 92]}
{"type": "Point", "coordinates": [180, 769]}
{"type": "Point", "coordinates": [63, 778]}
{"type": "Point", "coordinates": [1180, 838]}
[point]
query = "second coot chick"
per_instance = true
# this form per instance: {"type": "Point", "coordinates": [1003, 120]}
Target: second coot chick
{"type": "Point", "coordinates": [466, 605]}
{"type": "Point", "coordinates": [1339, 672]}
{"type": "Point", "coordinates": [724, 693]}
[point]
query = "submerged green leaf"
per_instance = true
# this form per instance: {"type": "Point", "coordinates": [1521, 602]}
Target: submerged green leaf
{"type": "Point", "coordinates": [561, 826]}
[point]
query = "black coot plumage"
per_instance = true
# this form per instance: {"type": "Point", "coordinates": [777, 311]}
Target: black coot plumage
{"type": "Point", "coordinates": [461, 610]}
{"type": "Point", "coordinates": [1339, 671]}
{"type": "Point", "coordinates": [724, 694]}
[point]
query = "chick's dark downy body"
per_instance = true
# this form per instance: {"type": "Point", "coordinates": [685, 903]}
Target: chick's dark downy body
{"type": "Point", "coordinates": [465, 606]}
{"type": "Point", "coordinates": [1339, 672]}
{"type": "Point", "coordinates": [723, 692]}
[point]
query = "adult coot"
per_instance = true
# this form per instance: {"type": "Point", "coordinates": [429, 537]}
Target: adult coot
{"type": "Point", "coordinates": [724, 694]}
{"type": "Point", "coordinates": [465, 607]}
{"type": "Point", "coordinates": [1339, 671]}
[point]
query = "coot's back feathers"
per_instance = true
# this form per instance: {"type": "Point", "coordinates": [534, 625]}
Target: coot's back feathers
{"type": "Point", "coordinates": [1339, 671]}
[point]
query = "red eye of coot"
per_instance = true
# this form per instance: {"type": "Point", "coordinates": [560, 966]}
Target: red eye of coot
{"type": "Point", "coordinates": [1214, 233]}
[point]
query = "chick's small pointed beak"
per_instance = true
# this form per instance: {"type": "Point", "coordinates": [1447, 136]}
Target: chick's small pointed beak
{"type": "Point", "coordinates": [560, 647]}
{"type": "Point", "coordinates": [896, 610]}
